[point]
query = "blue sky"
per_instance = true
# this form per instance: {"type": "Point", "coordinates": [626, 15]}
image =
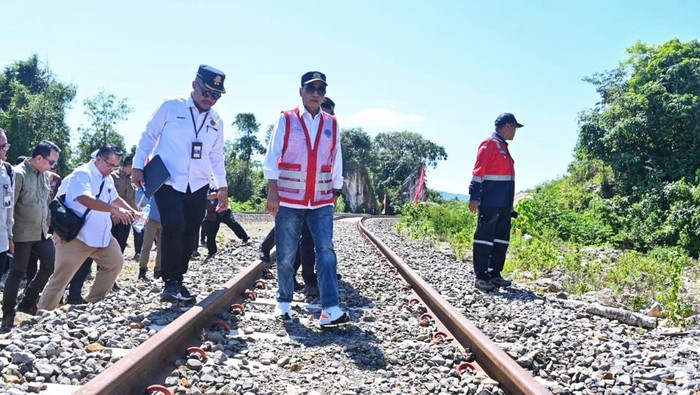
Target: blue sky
{"type": "Point", "coordinates": [444, 69]}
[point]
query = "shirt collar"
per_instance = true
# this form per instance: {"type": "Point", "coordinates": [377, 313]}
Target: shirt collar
{"type": "Point", "coordinates": [28, 167]}
{"type": "Point", "coordinates": [498, 136]}
{"type": "Point", "coordinates": [95, 171]}
{"type": "Point", "coordinates": [302, 111]}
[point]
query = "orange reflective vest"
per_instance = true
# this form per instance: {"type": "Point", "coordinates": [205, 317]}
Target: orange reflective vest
{"type": "Point", "coordinates": [305, 172]}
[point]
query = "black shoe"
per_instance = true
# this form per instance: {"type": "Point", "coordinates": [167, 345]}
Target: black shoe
{"type": "Point", "coordinates": [171, 292]}
{"type": "Point", "coordinates": [245, 241]}
{"type": "Point", "coordinates": [184, 293]}
{"type": "Point", "coordinates": [195, 254]}
{"type": "Point", "coordinates": [76, 301]}
{"type": "Point", "coordinates": [116, 287]}
{"type": "Point", "coordinates": [156, 274]}
{"type": "Point", "coordinates": [137, 257]}
{"type": "Point", "coordinates": [143, 275]}
{"type": "Point", "coordinates": [8, 322]}
{"type": "Point", "coordinates": [297, 286]}
{"type": "Point", "coordinates": [264, 255]}
{"type": "Point", "coordinates": [484, 285]}
{"type": "Point", "coordinates": [311, 290]}
{"type": "Point", "coordinates": [501, 282]}
{"type": "Point", "coordinates": [203, 243]}
{"type": "Point", "coordinates": [27, 307]}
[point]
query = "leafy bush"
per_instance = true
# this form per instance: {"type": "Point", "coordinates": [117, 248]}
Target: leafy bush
{"type": "Point", "coordinates": [255, 206]}
{"type": "Point", "coordinates": [451, 222]}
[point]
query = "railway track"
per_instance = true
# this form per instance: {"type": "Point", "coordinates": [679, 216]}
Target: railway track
{"type": "Point", "coordinates": [249, 294]}
{"type": "Point", "coordinates": [409, 334]}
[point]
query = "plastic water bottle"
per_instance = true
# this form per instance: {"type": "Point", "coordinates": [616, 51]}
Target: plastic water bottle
{"type": "Point", "coordinates": [141, 222]}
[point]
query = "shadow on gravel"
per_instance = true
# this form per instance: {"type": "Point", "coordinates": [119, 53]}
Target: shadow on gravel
{"type": "Point", "coordinates": [512, 293]}
{"type": "Point", "coordinates": [357, 343]}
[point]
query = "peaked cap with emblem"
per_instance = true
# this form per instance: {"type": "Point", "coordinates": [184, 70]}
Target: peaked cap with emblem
{"type": "Point", "coordinates": [312, 76]}
{"type": "Point", "coordinates": [213, 79]}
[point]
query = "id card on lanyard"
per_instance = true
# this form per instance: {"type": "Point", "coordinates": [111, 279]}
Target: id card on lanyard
{"type": "Point", "coordinates": [196, 152]}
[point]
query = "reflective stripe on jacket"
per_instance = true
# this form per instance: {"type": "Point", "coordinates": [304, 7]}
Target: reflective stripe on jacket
{"type": "Point", "coordinates": [493, 181]}
{"type": "Point", "coordinates": [305, 172]}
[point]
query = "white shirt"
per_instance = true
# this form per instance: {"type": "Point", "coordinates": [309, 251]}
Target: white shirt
{"type": "Point", "coordinates": [85, 180]}
{"type": "Point", "coordinates": [274, 151]}
{"type": "Point", "coordinates": [170, 134]}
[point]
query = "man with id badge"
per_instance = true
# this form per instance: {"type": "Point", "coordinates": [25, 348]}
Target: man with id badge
{"type": "Point", "coordinates": [189, 137]}
{"type": "Point", "coordinates": [6, 210]}
{"type": "Point", "coordinates": [32, 186]}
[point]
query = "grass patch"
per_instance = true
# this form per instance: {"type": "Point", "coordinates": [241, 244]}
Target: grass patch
{"type": "Point", "coordinates": [636, 279]}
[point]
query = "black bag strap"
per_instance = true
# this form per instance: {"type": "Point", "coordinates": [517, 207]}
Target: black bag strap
{"type": "Point", "coordinates": [10, 173]}
{"type": "Point", "coordinates": [63, 199]}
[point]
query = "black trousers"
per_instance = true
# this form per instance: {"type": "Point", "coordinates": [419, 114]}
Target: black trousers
{"type": "Point", "coordinates": [306, 255]}
{"type": "Point", "coordinates": [181, 213]}
{"type": "Point", "coordinates": [212, 228]}
{"type": "Point", "coordinates": [44, 250]}
{"type": "Point", "coordinates": [491, 241]}
{"type": "Point", "coordinates": [121, 233]}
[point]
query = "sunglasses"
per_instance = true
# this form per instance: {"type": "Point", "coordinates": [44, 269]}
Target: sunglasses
{"type": "Point", "coordinates": [109, 164]}
{"type": "Point", "coordinates": [310, 89]}
{"type": "Point", "coordinates": [52, 163]}
{"type": "Point", "coordinates": [209, 94]}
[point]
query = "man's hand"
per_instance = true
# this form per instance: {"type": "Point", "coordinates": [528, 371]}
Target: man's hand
{"type": "Point", "coordinates": [473, 205]}
{"type": "Point", "coordinates": [222, 195]}
{"type": "Point", "coordinates": [122, 216]}
{"type": "Point", "coordinates": [273, 198]}
{"type": "Point", "coordinates": [137, 177]}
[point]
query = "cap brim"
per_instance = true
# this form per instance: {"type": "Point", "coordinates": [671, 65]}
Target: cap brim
{"type": "Point", "coordinates": [222, 90]}
{"type": "Point", "coordinates": [316, 79]}
{"type": "Point", "coordinates": [519, 125]}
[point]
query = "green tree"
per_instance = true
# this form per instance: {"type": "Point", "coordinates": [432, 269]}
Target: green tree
{"type": "Point", "coordinates": [104, 111]}
{"type": "Point", "coordinates": [243, 174]}
{"type": "Point", "coordinates": [397, 157]}
{"type": "Point", "coordinates": [647, 124]}
{"type": "Point", "coordinates": [358, 191]}
{"type": "Point", "coordinates": [33, 107]}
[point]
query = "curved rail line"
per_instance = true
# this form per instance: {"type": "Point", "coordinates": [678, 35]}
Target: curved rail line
{"type": "Point", "coordinates": [495, 362]}
{"type": "Point", "coordinates": [153, 360]}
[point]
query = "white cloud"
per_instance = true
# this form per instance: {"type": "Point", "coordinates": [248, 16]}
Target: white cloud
{"type": "Point", "coordinates": [378, 119]}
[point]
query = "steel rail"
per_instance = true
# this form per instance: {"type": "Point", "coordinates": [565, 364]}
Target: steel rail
{"type": "Point", "coordinates": [154, 358]}
{"type": "Point", "coordinates": [495, 362]}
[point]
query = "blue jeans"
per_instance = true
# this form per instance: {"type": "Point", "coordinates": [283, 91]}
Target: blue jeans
{"type": "Point", "coordinates": [288, 224]}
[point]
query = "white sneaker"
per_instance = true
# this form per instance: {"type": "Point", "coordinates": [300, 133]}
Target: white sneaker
{"type": "Point", "coordinates": [333, 316]}
{"type": "Point", "coordinates": [284, 310]}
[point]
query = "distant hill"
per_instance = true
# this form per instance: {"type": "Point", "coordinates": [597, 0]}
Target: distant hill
{"type": "Point", "coordinates": [452, 196]}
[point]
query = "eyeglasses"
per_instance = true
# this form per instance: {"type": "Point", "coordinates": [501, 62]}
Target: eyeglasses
{"type": "Point", "coordinates": [310, 89]}
{"type": "Point", "coordinates": [209, 94]}
{"type": "Point", "coordinates": [109, 164]}
{"type": "Point", "coordinates": [5, 147]}
{"type": "Point", "coordinates": [51, 162]}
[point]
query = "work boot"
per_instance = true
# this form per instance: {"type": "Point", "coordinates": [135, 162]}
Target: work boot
{"type": "Point", "coordinates": [143, 275]}
{"type": "Point", "coordinates": [27, 307]}
{"type": "Point", "coordinates": [501, 282]}
{"type": "Point", "coordinates": [484, 285]}
{"type": "Point", "coordinates": [8, 322]}
{"type": "Point", "coordinates": [263, 255]}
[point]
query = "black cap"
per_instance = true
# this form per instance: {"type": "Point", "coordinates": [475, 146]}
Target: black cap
{"type": "Point", "coordinates": [212, 78]}
{"type": "Point", "coordinates": [505, 118]}
{"type": "Point", "coordinates": [312, 76]}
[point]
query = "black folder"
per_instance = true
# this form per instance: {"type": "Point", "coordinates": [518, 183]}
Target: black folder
{"type": "Point", "coordinates": [155, 174]}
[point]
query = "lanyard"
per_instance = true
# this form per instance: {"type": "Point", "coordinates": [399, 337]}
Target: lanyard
{"type": "Point", "coordinates": [194, 125]}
